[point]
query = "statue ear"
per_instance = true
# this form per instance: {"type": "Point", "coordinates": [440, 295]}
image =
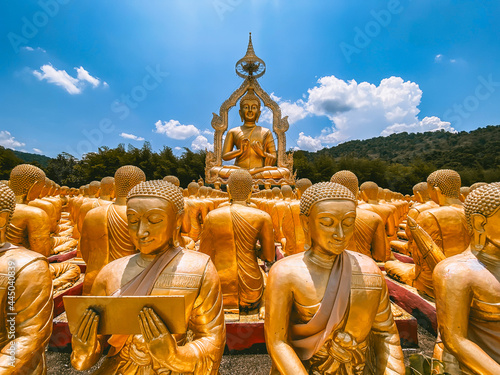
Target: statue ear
{"type": "Point", "coordinates": [241, 115]}
{"type": "Point", "coordinates": [305, 226]}
{"type": "Point", "coordinates": [479, 235]}
{"type": "Point", "coordinates": [4, 217]}
{"type": "Point", "coordinates": [257, 116]}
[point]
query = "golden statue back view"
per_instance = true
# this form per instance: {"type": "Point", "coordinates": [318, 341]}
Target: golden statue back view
{"type": "Point", "coordinates": [229, 236]}
{"type": "Point", "coordinates": [29, 226]}
{"type": "Point", "coordinates": [104, 236]}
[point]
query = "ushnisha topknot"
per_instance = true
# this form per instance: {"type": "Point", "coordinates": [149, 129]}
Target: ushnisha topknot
{"type": "Point", "coordinates": [239, 185]}
{"type": "Point", "coordinates": [347, 179]}
{"type": "Point", "coordinates": [484, 200]}
{"type": "Point", "coordinates": [173, 180]}
{"type": "Point", "coordinates": [159, 189]}
{"type": "Point", "coordinates": [23, 176]}
{"type": "Point", "coordinates": [126, 178]}
{"type": "Point", "coordinates": [324, 191]}
{"type": "Point", "coordinates": [447, 180]}
{"type": "Point", "coordinates": [7, 201]}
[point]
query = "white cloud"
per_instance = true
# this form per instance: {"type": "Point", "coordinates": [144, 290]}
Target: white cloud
{"type": "Point", "coordinates": [63, 79]}
{"type": "Point", "coordinates": [362, 110]}
{"type": "Point", "coordinates": [83, 75]}
{"type": "Point", "coordinates": [175, 130]}
{"type": "Point", "coordinates": [308, 143]}
{"type": "Point", "coordinates": [177, 148]}
{"type": "Point", "coordinates": [8, 141]}
{"type": "Point", "coordinates": [438, 58]}
{"type": "Point", "coordinates": [201, 143]}
{"type": "Point", "coordinates": [208, 132]}
{"type": "Point", "coordinates": [31, 49]}
{"type": "Point", "coordinates": [294, 111]}
{"type": "Point", "coordinates": [37, 150]}
{"type": "Point", "coordinates": [131, 136]}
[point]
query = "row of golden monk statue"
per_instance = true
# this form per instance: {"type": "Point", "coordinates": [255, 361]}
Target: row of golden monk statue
{"type": "Point", "coordinates": [325, 303]}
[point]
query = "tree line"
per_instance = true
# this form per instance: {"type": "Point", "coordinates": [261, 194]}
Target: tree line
{"type": "Point", "coordinates": [396, 162]}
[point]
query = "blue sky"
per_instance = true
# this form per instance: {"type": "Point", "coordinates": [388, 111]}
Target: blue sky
{"type": "Point", "coordinates": [77, 75]}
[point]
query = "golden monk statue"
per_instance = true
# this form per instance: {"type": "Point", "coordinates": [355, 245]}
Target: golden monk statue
{"type": "Point", "coordinates": [423, 203]}
{"type": "Point", "coordinates": [251, 145]}
{"type": "Point", "coordinates": [30, 226]}
{"type": "Point", "coordinates": [154, 215]}
{"type": "Point", "coordinates": [26, 295]}
{"type": "Point", "coordinates": [467, 289]}
{"type": "Point", "coordinates": [327, 309]}
{"type": "Point", "coordinates": [230, 236]}
{"type": "Point", "coordinates": [196, 211]}
{"type": "Point", "coordinates": [105, 234]}
{"type": "Point", "coordinates": [446, 226]}
{"type": "Point", "coordinates": [92, 201]}
{"type": "Point", "coordinates": [369, 233]}
{"type": "Point", "coordinates": [173, 180]}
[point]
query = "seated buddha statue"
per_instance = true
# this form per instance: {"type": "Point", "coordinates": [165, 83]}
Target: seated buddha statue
{"type": "Point", "coordinates": [467, 289]}
{"type": "Point", "coordinates": [27, 313]}
{"type": "Point", "coordinates": [161, 268]}
{"type": "Point", "coordinates": [29, 226]}
{"type": "Point", "coordinates": [251, 145]}
{"type": "Point", "coordinates": [230, 234]}
{"type": "Point", "coordinates": [105, 234]}
{"type": "Point", "coordinates": [445, 225]}
{"type": "Point", "coordinates": [369, 232]}
{"type": "Point", "coordinates": [327, 309]}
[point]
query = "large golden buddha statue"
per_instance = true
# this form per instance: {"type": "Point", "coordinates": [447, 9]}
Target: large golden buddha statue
{"type": "Point", "coordinates": [369, 231]}
{"type": "Point", "coordinates": [467, 288]}
{"type": "Point", "coordinates": [250, 145]}
{"type": "Point", "coordinates": [105, 234]}
{"type": "Point", "coordinates": [328, 309]}
{"type": "Point", "coordinates": [26, 314]}
{"type": "Point", "coordinates": [230, 234]}
{"type": "Point", "coordinates": [162, 268]}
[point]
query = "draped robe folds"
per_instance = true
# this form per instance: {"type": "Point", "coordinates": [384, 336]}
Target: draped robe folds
{"type": "Point", "coordinates": [230, 241]}
{"type": "Point", "coordinates": [174, 272]}
{"type": "Point", "coordinates": [308, 338]}
{"type": "Point", "coordinates": [104, 238]}
{"type": "Point", "coordinates": [292, 229]}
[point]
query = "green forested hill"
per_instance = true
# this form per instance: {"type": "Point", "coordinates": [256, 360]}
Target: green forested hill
{"type": "Point", "coordinates": [397, 162]}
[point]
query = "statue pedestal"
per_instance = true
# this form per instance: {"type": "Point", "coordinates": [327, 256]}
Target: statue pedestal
{"type": "Point", "coordinates": [59, 258]}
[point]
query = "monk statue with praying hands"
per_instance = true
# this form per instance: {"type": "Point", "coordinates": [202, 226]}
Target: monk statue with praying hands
{"type": "Point", "coordinates": [162, 268]}
{"type": "Point", "coordinates": [327, 309]}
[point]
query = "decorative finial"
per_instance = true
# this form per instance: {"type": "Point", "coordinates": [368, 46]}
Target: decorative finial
{"type": "Point", "coordinates": [250, 64]}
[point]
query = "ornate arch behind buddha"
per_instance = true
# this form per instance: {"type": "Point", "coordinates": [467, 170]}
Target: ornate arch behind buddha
{"type": "Point", "coordinates": [274, 166]}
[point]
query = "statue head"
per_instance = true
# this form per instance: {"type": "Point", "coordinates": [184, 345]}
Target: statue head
{"type": "Point", "coordinates": [444, 183]}
{"type": "Point", "coordinates": [421, 192]}
{"type": "Point", "coordinates": [126, 178]}
{"type": "Point", "coordinates": [347, 179]}
{"type": "Point", "coordinates": [476, 185]}
{"type": "Point", "coordinates": [5, 182]}
{"type": "Point", "coordinates": [154, 215]}
{"type": "Point", "coordinates": [173, 180]}
{"type": "Point", "coordinates": [239, 186]}
{"type": "Point", "coordinates": [27, 181]}
{"type": "Point", "coordinates": [302, 185]}
{"type": "Point", "coordinates": [369, 191]}
{"type": "Point", "coordinates": [7, 207]}
{"type": "Point", "coordinates": [387, 195]}
{"type": "Point", "coordinates": [94, 188]}
{"type": "Point", "coordinates": [464, 192]}
{"type": "Point", "coordinates": [203, 191]}
{"type": "Point", "coordinates": [276, 192]}
{"type": "Point", "coordinates": [193, 188]}
{"type": "Point", "coordinates": [65, 190]}
{"type": "Point", "coordinates": [328, 212]}
{"type": "Point", "coordinates": [107, 187]}
{"type": "Point", "coordinates": [46, 188]}
{"type": "Point", "coordinates": [286, 191]}
{"type": "Point", "coordinates": [250, 107]}
{"type": "Point", "coordinates": [483, 216]}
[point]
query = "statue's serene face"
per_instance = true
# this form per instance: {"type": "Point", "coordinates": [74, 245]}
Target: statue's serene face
{"type": "Point", "coordinates": [250, 110]}
{"type": "Point", "coordinates": [151, 223]}
{"type": "Point", "coordinates": [331, 224]}
{"type": "Point", "coordinates": [492, 228]}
